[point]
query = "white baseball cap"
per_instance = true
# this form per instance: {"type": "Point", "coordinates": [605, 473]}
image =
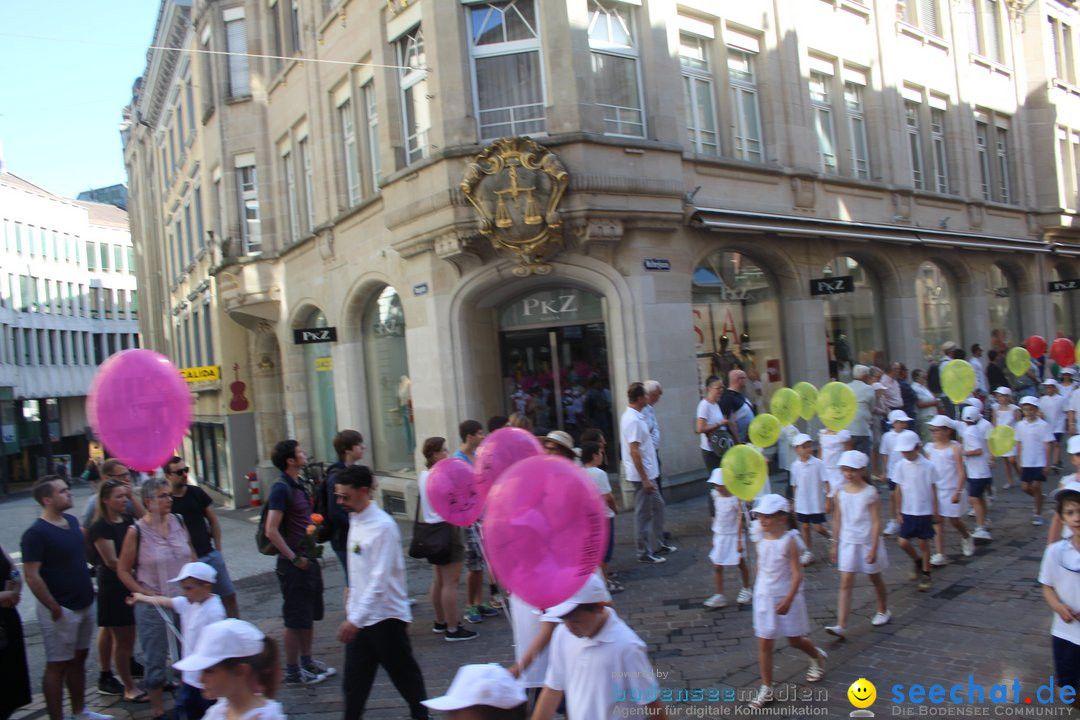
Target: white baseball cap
{"type": "Point", "coordinates": [1002, 390]}
{"type": "Point", "coordinates": [1068, 370]}
{"type": "Point", "coordinates": [907, 441]}
{"type": "Point", "coordinates": [898, 416]}
{"type": "Point", "coordinates": [198, 571]}
{"type": "Point", "coordinates": [1029, 400]}
{"type": "Point", "coordinates": [1050, 381]}
{"type": "Point", "coordinates": [716, 477]}
{"type": "Point", "coordinates": [489, 684]}
{"type": "Point", "coordinates": [801, 439]}
{"type": "Point", "coordinates": [971, 414]}
{"type": "Point", "coordinates": [771, 503]}
{"type": "Point", "coordinates": [940, 421]}
{"type": "Point", "coordinates": [1073, 445]}
{"type": "Point", "coordinates": [1065, 486]}
{"type": "Point", "coordinates": [975, 403]}
{"type": "Point", "coordinates": [853, 459]}
{"type": "Point", "coordinates": [230, 638]}
{"type": "Point", "coordinates": [593, 591]}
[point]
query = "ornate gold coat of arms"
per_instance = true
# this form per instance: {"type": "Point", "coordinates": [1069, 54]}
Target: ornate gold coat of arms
{"type": "Point", "coordinates": [515, 186]}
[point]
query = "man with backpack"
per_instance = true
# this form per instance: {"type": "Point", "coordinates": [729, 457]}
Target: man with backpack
{"type": "Point", "coordinates": [349, 446]}
{"type": "Point", "coordinates": [287, 517]}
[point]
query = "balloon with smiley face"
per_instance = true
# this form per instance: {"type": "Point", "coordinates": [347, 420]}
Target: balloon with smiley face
{"type": "Point", "coordinates": [862, 693]}
{"type": "Point", "coordinates": [836, 406]}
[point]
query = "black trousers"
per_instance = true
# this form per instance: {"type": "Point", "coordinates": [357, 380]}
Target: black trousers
{"type": "Point", "coordinates": [385, 643]}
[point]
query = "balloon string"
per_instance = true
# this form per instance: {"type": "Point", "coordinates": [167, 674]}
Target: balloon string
{"type": "Point", "coordinates": [478, 530]}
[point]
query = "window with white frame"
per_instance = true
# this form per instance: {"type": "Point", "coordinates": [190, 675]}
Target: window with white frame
{"type": "Point", "coordinates": [415, 104]}
{"type": "Point", "coordinates": [1066, 168]}
{"type": "Point", "coordinates": [206, 63]}
{"type": "Point", "coordinates": [509, 84]}
{"type": "Point", "coordinates": [309, 183]}
{"type": "Point", "coordinates": [1002, 154]}
{"type": "Point", "coordinates": [294, 27]}
{"type": "Point", "coordinates": [616, 84]}
{"type": "Point", "coordinates": [745, 111]}
{"type": "Point", "coordinates": [371, 120]}
{"type": "Point", "coordinates": [994, 153]}
{"type": "Point", "coordinates": [237, 47]}
{"type": "Point", "coordinates": [939, 155]}
{"type": "Point", "coordinates": [982, 20]}
{"type": "Point", "coordinates": [923, 14]}
{"type": "Point", "coordinates": [1061, 43]}
{"type": "Point", "coordinates": [292, 203]}
{"type": "Point", "coordinates": [248, 205]}
{"type": "Point", "coordinates": [698, 94]}
{"type": "Point", "coordinates": [349, 151]}
{"type": "Point", "coordinates": [277, 49]}
{"type": "Point", "coordinates": [914, 142]}
{"type": "Point", "coordinates": [189, 99]}
{"type": "Point", "coordinates": [821, 106]}
{"type": "Point", "coordinates": [854, 82]}
{"type": "Point", "coordinates": [982, 156]}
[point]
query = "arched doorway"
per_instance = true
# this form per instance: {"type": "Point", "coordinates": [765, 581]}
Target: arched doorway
{"type": "Point", "coordinates": [737, 320]}
{"type": "Point", "coordinates": [319, 377]}
{"type": "Point", "coordinates": [852, 334]}
{"type": "Point", "coordinates": [1004, 311]}
{"type": "Point", "coordinates": [937, 310]}
{"type": "Point", "coordinates": [389, 386]}
{"type": "Point", "coordinates": [554, 357]}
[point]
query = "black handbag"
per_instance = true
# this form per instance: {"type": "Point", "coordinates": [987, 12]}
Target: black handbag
{"type": "Point", "coordinates": [720, 440]}
{"type": "Point", "coordinates": [430, 541]}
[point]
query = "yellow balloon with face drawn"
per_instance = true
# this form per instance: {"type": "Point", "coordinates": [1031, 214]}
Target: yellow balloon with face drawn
{"type": "Point", "coordinates": [808, 397]}
{"type": "Point", "coordinates": [786, 405]}
{"type": "Point", "coordinates": [836, 406]}
{"type": "Point", "coordinates": [745, 471]}
{"type": "Point", "coordinates": [764, 430]}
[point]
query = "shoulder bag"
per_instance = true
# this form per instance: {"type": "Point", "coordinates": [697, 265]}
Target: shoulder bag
{"type": "Point", "coordinates": [430, 541]}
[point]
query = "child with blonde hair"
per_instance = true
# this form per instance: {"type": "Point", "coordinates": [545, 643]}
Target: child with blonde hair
{"type": "Point", "coordinates": [945, 455]}
{"type": "Point", "coordinates": [727, 548]}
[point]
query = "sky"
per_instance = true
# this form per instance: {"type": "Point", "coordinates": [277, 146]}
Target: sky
{"type": "Point", "coordinates": [66, 71]}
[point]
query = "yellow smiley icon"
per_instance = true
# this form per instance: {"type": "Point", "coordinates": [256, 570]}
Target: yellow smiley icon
{"type": "Point", "coordinates": [862, 693]}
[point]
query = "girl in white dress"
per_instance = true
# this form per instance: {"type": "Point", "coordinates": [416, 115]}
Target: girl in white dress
{"type": "Point", "coordinates": [727, 548]}
{"type": "Point", "coordinates": [830, 446]}
{"type": "Point", "coordinates": [858, 545]}
{"type": "Point", "coordinates": [779, 606]}
{"type": "Point", "coordinates": [1007, 414]}
{"type": "Point", "coordinates": [951, 482]}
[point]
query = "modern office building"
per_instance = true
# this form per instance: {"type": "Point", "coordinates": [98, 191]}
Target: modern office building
{"type": "Point", "coordinates": [416, 212]}
{"type": "Point", "coordinates": [68, 300]}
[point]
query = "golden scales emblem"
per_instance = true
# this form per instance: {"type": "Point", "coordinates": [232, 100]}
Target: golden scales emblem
{"type": "Point", "coordinates": [515, 186]}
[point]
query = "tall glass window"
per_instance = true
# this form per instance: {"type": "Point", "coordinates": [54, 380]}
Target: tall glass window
{"type": "Point", "coordinates": [1064, 305]}
{"type": "Point", "coordinates": [911, 115]}
{"type": "Point", "coordinates": [291, 202]}
{"type": "Point", "coordinates": [939, 154]}
{"type": "Point", "coordinates": [698, 92]}
{"type": "Point", "coordinates": [821, 104]}
{"type": "Point", "coordinates": [393, 438]}
{"type": "Point", "coordinates": [937, 322]}
{"type": "Point", "coordinates": [372, 121]}
{"type": "Point", "coordinates": [856, 117]}
{"type": "Point", "coordinates": [505, 41]}
{"type": "Point", "coordinates": [250, 227]}
{"type": "Point", "coordinates": [1004, 313]}
{"type": "Point", "coordinates": [322, 406]}
{"type": "Point", "coordinates": [746, 114]}
{"type": "Point", "coordinates": [349, 151]}
{"type": "Point", "coordinates": [416, 108]}
{"type": "Point", "coordinates": [851, 332]}
{"type": "Point", "coordinates": [616, 85]}
{"type": "Point", "coordinates": [236, 44]}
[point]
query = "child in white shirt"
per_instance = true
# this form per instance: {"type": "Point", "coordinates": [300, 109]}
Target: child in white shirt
{"type": "Point", "coordinates": [1005, 413]}
{"type": "Point", "coordinates": [858, 546]}
{"type": "Point", "coordinates": [808, 481]}
{"type": "Point", "coordinates": [944, 455]}
{"type": "Point", "coordinates": [975, 450]}
{"type": "Point", "coordinates": [890, 458]}
{"type": "Point", "coordinates": [918, 503]}
{"type": "Point", "coordinates": [830, 446]}
{"type": "Point", "coordinates": [727, 548]}
{"type": "Point", "coordinates": [1033, 449]}
{"type": "Point", "coordinates": [1052, 408]}
{"type": "Point", "coordinates": [1059, 575]}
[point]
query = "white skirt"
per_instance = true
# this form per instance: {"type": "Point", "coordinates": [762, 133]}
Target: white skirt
{"type": "Point", "coordinates": [949, 509]}
{"type": "Point", "coordinates": [769, 625]}
{"type": "Point", "coordinates": [725, 549]}
{"type": "Point", "coordinates": [851, 557]}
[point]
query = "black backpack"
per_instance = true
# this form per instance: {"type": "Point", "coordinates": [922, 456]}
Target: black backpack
{"type": "Point", "coordinates": [261, 541]}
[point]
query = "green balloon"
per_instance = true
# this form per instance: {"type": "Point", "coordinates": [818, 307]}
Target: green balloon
{"type": "Point", "coordinates": [745, 471]}
{"type": "Point", "coordinates": [786, 405]}
{"type": "Point", "coordinates": [1018, 360]}
{"type": "Point", "coordinates": [958, 380]}
{"type": "Point", "coordinates": [1001, 440]}
{"type": "Point", "coordinates": [836, 406]}
{"type": "Point", "coordinates": [764, 430]}
{"type": "Point", "coordinates": [808, 395]}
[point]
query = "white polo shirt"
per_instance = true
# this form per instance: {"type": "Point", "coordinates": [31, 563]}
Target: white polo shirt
{"type": "Point", "coordinates": [1031, 437]}
{"type": "Point", "coordinates": [885, 447]}
{"type": "Point", "coordinates": [594, 673]}
{"type": "Point", "coordinates": [376, 569]}
{"type": "Point", "coordinates": [193, 618]}
{"type": "Point", "coordinates": [974, 438]}
{"type": "Point", "coordinates": [916, 481]}
{"type": "Point", "coordinates": [808, 479]}
{"type": "Point", "coordinates": [634, 429]}
{"type": "Point", "coordinates": [1059, 570]}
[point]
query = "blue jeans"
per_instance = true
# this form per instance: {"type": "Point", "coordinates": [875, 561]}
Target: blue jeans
{"type": "Point", "coordinates": [190, 703]}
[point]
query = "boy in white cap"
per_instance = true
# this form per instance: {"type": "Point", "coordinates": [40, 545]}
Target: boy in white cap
{"type": "Point", "coordinates": [1052, 407]}
{"type": "Point", "coordinates": [808, 480]}
{"type": "Point", "coordinates": [859, 546]}
{"type": "Point", "coordinates": [975, 449]}
{"type": "Point", "coordinates": [198, 607]}
{"type": "Point", "coordinates": [727, 548]}
{"type": "Point", "coordinates": [916, 497]}
{"type": "Point", "coordinates": [592, 646]}
{"type": "Point", "coordinates": [1058, 529]}
{"type": "Point", "coordinates": [482, 692]}
{"type": "Point", "coordinates": [1058, 574]}
{"type": "Point", "coordinates": [1033, 449]}
{"type": "Point", "coordinates": [779, 605]}
{"type": "Point", "coordinates": [1068, 383]}
{"type": "Point", "coordinates": [889, 458]}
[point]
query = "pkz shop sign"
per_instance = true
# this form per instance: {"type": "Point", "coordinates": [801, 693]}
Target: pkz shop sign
{"type": "Point", "coordinates": [308, 336]}
{"type": "Point", "coordinates": [832, 285]}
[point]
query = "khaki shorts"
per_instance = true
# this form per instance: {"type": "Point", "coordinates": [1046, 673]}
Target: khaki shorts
{"type": "Point", "coordinates": [64, 637]}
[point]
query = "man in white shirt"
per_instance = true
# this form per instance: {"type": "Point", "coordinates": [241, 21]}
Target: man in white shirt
{"type": "Point", "coordinates": [377, 615]}
{"type": "Point", "coordinates": [642, 469]}
{"type": "Point", "coordinates": [865, 398]}
{"type": "Point", "coordinates": [982, 387]}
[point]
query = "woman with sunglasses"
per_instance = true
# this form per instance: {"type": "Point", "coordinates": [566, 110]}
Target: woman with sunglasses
{"type": "Point", "coordinates": [155, 549]}
{"type": "Point", "coordinates": [115, 618]}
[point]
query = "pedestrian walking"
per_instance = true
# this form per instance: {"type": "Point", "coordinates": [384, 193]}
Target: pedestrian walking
{"type": "Point", "coordinates": [727, 542]}
{"type": "Point", "coordinates": [951, 483]}
{"type": "Point", "coordinates": [641, 468]}
{"type": "Point", "coordinates": [975, 449]}
{"type": "Point", "coordinates": [1033, 449]}
{"type": "Point", "coordinates": [890, 457]}
{"type": "Point", "coordinates": [916, 500]}
{"type": "Point", "coordinates": [1061, 589]}
{"type": "Point", "coordinates": [1005, 413]}
{"type": "Point", "coordinates": [811, 488]}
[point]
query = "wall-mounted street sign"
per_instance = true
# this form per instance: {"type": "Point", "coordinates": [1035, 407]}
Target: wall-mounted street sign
{"type": "Point", "coordinates": [307, 336]}
{"type": "Point", "coordinates": [200, 374]}
{"type": "Point", "coordinates": [832, 285]}
{"type": "Point", "coordinates": [1063, 285]}
{"type": "Point", "coordinates": [656, 264]}
{"type": "Point", "coordinates": [420, 289]}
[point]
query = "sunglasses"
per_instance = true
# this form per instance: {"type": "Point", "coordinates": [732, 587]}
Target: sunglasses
{"type": "Point", "coordinates": [180, 471]}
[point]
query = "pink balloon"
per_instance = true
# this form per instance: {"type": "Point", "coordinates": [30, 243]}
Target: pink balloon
{"type": "Point", "coordinates": [140, 407]}
{"type": "Point", "coordinates": [500, 450]}
{"type": "Point", "coordinates": [545, 529]}
{"type": "Point", "coordinates": [452, 492]}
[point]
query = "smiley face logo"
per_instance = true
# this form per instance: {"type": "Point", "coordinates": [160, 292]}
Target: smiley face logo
{"type": "Point", "coordinates": [862, 693]}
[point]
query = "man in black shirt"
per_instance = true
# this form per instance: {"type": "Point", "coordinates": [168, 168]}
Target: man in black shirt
{"type": "Point", "coordinates": [197, 509]}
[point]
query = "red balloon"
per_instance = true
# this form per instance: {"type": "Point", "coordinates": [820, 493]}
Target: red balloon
{"type": "Point", "coordinates": [1063, 352]}
{"type": "Point", "coordinates": [1036, 345]}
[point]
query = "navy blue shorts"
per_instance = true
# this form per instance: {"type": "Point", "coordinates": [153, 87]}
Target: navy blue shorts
{"type": "Point", "coordinates": [1032, 474]}
{"type": "Point", "coordinates": [977, 486]}
{"type": "Point", "coordinates": [610, 550]}
{"type": "Point", "coordinates": [810, 518]}
{"type": "Point", "coordinates": [920, 527]}
{"type": "Point", "coordinates": [1066, 663]}
{"type": "Point", "coordinates": [892, 486]}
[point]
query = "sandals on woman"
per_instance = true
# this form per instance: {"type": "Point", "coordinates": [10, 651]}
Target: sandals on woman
{"type": "Point", "coordinates": [141, 697]}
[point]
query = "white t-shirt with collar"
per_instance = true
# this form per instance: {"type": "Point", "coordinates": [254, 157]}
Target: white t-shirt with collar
{"type": "Point", "coordinates": [634, 429]}
{"type": "Point", "coordinates": [193, 618]}
{"type": "Point", "coordinates": [916, 481]}
{"type": "Point", "coordinates": [1055, 571]}
{"type": "Point", "coordinates": [808, 479]}
{"type": "Point", "coordinates": [1031, 437]}
{"type": "Point", "coordinates": [587, 670]}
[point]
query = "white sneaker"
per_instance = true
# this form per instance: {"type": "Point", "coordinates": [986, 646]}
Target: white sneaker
{"type": "Point", "coordinates": [981, 533]}
{"type": "Point", "coordinates": [988, 523]}
{"type": "Point", "coordinates": [745, 595]}
{"type": "Point", "coordinates": [971, 512]}
{"type": "Point", "coordinates": [716, 601]}
{"type": "Point", "coordinates": [1036, 520]}
{"type": "Point", "coordinates": [816, 671]}
{"type": "Point", "coordinates": [806, 558]}
{"type": "Point", "coordinates": [892, 527]}
{"type": "Point", "coordinates": [881, 618]}
{"type": "Point", "coordinates": [967, 546]}
{"type": "Point", "coordinates": [762, 697]}
{"type": "Point", "coordinates": [938, 560]}
{"type": "Point", "coordinates": [837, 630]}
{"type": "Point", "coordinates": [91, 715]}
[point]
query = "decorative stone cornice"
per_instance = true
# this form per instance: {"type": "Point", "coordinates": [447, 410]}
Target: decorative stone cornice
{"type": "Point", "coordinates": [324, 241]}
{"type": "Point", "coordinates": [464, 251]}
{"type": "Point", "coordinates": [597, 237]}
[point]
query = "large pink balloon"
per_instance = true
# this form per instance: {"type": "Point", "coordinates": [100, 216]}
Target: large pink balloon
{"type": "Point", "coordinates": [500, 450]}
{"type": "Point", "coordinates": [140, 407]}
{"type": "Point", "coordinates": [451, 490]}
{"type": "Point", "coordinates": [545, 529]}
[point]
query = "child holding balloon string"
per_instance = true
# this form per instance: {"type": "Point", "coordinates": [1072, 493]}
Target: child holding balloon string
{"type": "Point", "coordinates": [727, 548]}
{"type": "Point", "coordinates": [978, 464]}
{"type": "Point", "coordinates": [951, 482]}
{"type": "Point", "coordinates": [1005, 413]}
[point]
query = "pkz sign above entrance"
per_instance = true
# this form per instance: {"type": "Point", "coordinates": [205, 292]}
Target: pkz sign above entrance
{"type": "Point", "coordinates": [559, 306]}
{"type": "Point", "coordinates": [1063, 285]}
{"type": "Point", "coordinates": [832, 285]}
{"type": "Point", "coordinates": [307, 336]}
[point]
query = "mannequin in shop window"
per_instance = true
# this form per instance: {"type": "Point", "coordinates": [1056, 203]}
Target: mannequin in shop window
{"type": "Point", "coordinates": [405, 406]}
